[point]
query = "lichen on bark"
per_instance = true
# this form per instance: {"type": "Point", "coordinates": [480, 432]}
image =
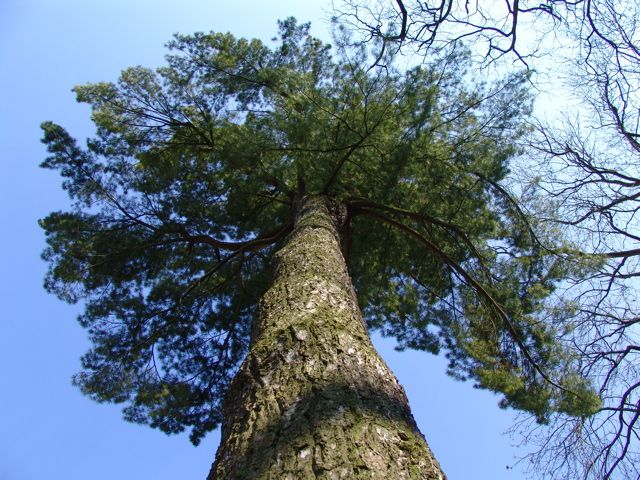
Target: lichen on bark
{"type": "Point", "coordinates": [313, 399]}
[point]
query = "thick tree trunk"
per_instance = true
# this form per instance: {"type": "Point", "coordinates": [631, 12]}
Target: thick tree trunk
{"type": "Point", "coordinates": [313, 399]}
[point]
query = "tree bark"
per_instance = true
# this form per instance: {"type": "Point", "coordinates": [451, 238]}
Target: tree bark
{"type": "Point", "coordinates": [313, 399]}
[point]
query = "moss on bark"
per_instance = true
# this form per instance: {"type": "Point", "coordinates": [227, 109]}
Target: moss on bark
{"type": "Point", "coordinates": [313, 399]}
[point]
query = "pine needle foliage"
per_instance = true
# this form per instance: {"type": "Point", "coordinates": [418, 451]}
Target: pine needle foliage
{"type": "Point", "coordinates": [192, 179]}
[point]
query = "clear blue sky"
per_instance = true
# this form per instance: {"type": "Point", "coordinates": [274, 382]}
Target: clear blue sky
{"type": "Point", "coordinates": [48, 430]}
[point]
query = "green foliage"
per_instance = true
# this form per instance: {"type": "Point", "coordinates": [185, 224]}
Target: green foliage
{"type": "Point", "coordinates": [192, 179]}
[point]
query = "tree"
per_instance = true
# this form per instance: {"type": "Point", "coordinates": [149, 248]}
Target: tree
{"type": "Point", "coordinates": [515, 29]}
{"type": "Point", "coordinates": [237, 159]}
{"type": "Point", "coordinates": [589, 167]}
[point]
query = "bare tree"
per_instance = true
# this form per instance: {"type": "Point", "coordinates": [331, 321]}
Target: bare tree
{"type": "Point", "coordinates": [591, 172]}
{"type": "Point", "coordinates": [589, 167]}
{"type": "Point", "coordinates": [511, 27]}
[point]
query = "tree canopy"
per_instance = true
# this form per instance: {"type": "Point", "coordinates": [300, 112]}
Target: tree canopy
{"type": "Point", "coordinates": [193, 177]}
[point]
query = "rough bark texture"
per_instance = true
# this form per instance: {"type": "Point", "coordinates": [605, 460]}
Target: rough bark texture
{"type": "Point", "coordinates": [313, 399]}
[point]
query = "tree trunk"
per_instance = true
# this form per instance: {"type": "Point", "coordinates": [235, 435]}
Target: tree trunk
{"type": "Point", "coordinates": [313, 399]}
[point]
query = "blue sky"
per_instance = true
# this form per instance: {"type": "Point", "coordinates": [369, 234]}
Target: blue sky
{"type": "Point", "coordinates": [48, 429]}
